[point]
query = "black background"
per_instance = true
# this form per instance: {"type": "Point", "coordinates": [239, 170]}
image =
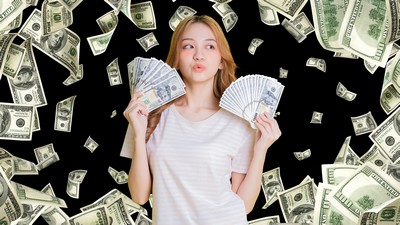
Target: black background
{"type": "Point", "coordinates": [307, 89]}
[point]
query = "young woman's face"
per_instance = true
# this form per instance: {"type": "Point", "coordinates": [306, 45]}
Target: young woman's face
{"type": "Point", "coordinates": [199, 56]}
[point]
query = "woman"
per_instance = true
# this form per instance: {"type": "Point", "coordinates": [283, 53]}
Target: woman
{"type": "Point", "coordinates": [202, 164]}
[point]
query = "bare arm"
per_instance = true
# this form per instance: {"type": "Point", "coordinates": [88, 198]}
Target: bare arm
{"type": "Point", "coordinates": [248, 185]}
{"type": "Point", "coordinates": [139, 179]}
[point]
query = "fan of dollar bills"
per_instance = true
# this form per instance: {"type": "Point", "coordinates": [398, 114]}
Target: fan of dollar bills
{"type": "Point", "coordinates": [252, 95]}
{"type": "Point", "coordinates": [158, 82]}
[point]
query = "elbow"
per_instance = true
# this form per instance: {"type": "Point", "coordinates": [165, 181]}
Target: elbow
{"type": "Point", "coordinates": [141, 200]}
{"type": "Point", "coordinates": [249, 208]}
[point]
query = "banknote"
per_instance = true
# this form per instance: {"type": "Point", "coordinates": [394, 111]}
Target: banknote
{"type": "Point", "coordinates": [63, 46]}
{"type": "Point", "coordinates": [16, 121]}
{"type": "Point", "coordinates": [26, 87]}
{"type": "Point", "coordinates": [180, 13]}
{"type": "Point", "coordinates": [271, 183]}
{"type": "Point", "coordinates": [298, 202]}
{"type": "Point", "coordinates": [367, 187]}
{"type": "Point", "coordinates": [55, 17]}
{"type": "Point", "coordinates": [10, 206]}
{"type": "Point", "coordinates": [113, 72]}
{"type": "Point", "coordinates": [364, 123]}
{"type": "Point", "coordinates": [268, 15]}
{"type": "Point", "coordinates": [9, 10]}
{"type": "Point", "coordinates": [375, 156]}
{"type": "Point", "coordinates": [325, 213]}
{"type": "Point", "coordinates": [268, 220]}
{"type": "Point", "coordinates": [119, 213]}
{"type": "Point", "coordinates": [370, 44]}
{"type": "Point", "coordinates": [97, 215]}
{"type": "Point", "coordinates": [141, 14]}
{"type": "Point", "coordinates": [5, 43]}
{"type": "Point", "coordinates": [64, 114]}
{"type": "Point", "coordinates": [387, 136]}
{"type": "Point", "coordinates": [12, 64]}
{"type": "Point", "coordinates": [53, 215]}
{"type": "Point", "coordinates": [251, 95]}
{"type": "Point", "coordinates": [333, 174]}
{"type": "Point", "coordinates": [385, 214]}
{"type": "Point", "coordinates": [107, 23]}
{"type": "Point", "coordinates": [289, 9]}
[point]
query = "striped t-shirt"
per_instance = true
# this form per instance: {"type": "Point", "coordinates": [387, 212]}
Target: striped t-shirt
{"type": "Point", "coordinates": [191, 164]}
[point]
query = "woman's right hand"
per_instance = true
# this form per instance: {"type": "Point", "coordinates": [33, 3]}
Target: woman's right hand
{"type": "Point", "coordinates": [136, 113]}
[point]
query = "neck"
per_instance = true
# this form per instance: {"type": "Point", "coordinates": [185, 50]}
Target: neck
{"type": "Point", "coordinates": [199, 97]}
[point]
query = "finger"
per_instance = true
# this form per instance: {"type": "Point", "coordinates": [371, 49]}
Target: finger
{"type": "Point", "coordinates": [136, 95]}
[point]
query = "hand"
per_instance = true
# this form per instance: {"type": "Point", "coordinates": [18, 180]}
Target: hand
{"type": "Point", "coordinates": [268, 131]}
{"type": "Point", "coordinates": [136, 114]}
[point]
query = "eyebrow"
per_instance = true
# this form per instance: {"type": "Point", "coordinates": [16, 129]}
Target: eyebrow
{"type": "Point", "coordinates": [191, 39]}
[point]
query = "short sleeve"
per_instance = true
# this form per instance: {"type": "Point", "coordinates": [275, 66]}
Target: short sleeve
{"type": "Point", "coordinates": [241, 161]}
{"type": "Point", "coordinates": [128, 145]}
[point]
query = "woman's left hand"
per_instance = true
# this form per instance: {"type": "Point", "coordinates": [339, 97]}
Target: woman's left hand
{"type": "Point", "coordinates": [268, 131]}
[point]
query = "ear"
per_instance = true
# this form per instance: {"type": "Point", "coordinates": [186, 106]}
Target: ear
{"type": "Point", "coordinates": [221, 66]}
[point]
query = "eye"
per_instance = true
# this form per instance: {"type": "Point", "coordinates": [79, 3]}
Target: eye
{"type": "Point", "coordinates": [188, 46]}
{"type": "Point", "coordinates": [210, 47]}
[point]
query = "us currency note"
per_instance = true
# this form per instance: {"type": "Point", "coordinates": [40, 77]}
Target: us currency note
{"type": "Point", "coordinates": [5, 44]}
{"type": "Point", "coordinates": [297, 203]}
{"type": "Point", "coordinates": [180, 13]}
{"type": "Point", "coordinates": [268, 220]}
{"type": "Point", "coordinates": [303, 24]}
{"type": "Point", "coordinates": [364, 123]}
{"type": "Point", "coordinates": [342, 92]}
{"type": "Point", "coordinates": [222, 8]}
{"type": "Point", "coordinates": [16, 121]}
{"type": "Point", "coordinates": [376, 157]}
{"type": "Point", "coordinates": [70, 4]}
{"type": "Point", "coordinates": [390, 96]}
{"type": "Point", "coordinates": [75, 178]}
{"type": "Point", "coordinates": [113, 72]}
{"type": "Point", "coordinates": [53, 158]}
{"type": "Point", "coordinates": [393, 9]}
{"type": "Point", "coordinates": [333, 174]}
{"type": "Point", "coordinates": [43, 152]}
{"type": "Point", "coordinates": [97, 215]}
{"type": "Point", "coordinates": [148, 41]}
{"type": "Point", "coordinates": [230, 20]}
{"type": "Point", "coordinates": [393, 170]}
{"type": "Point", "coordinates": [316, 117]}
{"type": "Point", "coordinates": [141, 14]}
{"type": "Point", "coordinates": [268, 15]}
{"type": "Point", "coordinates": [9, 10]}
{"type": "Point", "coordinates": [119, 213]}
{"type": "Point", "coordinates": [107, 23]}
{"type": "Point", "coordinates": [132, 207]}
{"type": "Point", "coordinates": [74, 78]}
{"type": "Point", "coordinates": [370, 44]}
{"type": "Point", "coordinates": [346, 155]}
{"type": "Point", "coordinates": [10, 205]}
{"type": "Point", "coordinates": [325, 213]}
{"type": "Point", "coordinates": [387, 136]}
{"type": "Point", "coordinates": [26, 87]}
{"type": "Point", "coordinates": [367, 187]}
{"type": "Point", "coordinates": [64, 113]}
{"type": "Point", "coordinates": [255, 42]}
{"type": "Point", "coordinates": [120, 177]}
{"type": "Point", "coordinates": [327, 23]}
{"type": "Point", "coordinates": [289, 9]}
{"type": "Point", "coordinates": [115, 4]}
{"type": "Point", "coordinates": [14, 24]}
{"type": "Point", "coordinates": [53, 215]}
{"type": "Point", "coordinates": [296, 34]}
{"type": "Point", "coordinates": [271, 183]}
{"type": "Point", "coordinates": [28, 195]}
{"type": "Point", "coordinates": [385, 214]}
{"type": "Point", "coordinates": [24, 167]}
{"type": "Point", "coordinates": [302, 155]}
{"type": "Point", "coordinates": [55, 17]}
{"type": "Point", "coordinates": [90, 144]}
{"type": "Point", "coordinates": [13, 60]}
{"type": "Point", "coordinates": [63, 46]}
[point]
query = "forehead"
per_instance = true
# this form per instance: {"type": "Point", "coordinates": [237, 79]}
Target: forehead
{"type": "Point", "coordinates": [198, 31]}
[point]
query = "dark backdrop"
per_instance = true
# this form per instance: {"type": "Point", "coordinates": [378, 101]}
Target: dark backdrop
{"type": "Point", "coordinates": [307, 89]}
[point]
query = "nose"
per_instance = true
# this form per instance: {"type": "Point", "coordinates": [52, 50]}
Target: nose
{"type": "Point", "coordinates": [198, 55]}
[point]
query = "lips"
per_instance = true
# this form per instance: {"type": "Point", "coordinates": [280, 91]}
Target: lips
{"type": "Point", "coordinates": [198, 67]}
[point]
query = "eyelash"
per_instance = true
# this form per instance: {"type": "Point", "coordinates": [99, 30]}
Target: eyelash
{"type": "Point", "coordinates": [191, 46]}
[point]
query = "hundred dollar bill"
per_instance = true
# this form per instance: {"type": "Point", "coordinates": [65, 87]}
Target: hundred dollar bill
{"type": "Point", "coordinates": [44, 152]}
{"type": "Point", "coordinates": [296, 34]}
{"type": "Point", "coordinates": [302, 23]}
{"type": "Point", "coordinates": [26, 87]}
{"type": "Point", "coordinates": [24, 167]}
{"type": "Point", "coordinates": [333, 174]}
{"type": "Point", "coordinates": [55, 17]}
{"type": "Point", "coordinates": [113, 72]}
{"type": "Point", "coordinates": [9, 10]}
{"type": "Point", "coordinates": [297, 203]}
{"type": "Point", "coordinates": [115, 4]}
{"type": "Point", "coordinates": [325, 213]}
{"type": "Point", "coordinates": [385, 214]}
{"type": "Point", "coordinates": [342, 92]}
{"type": "Point", "coordinates": [369, 43]}
{"type": "Point", "coordinates": [387, 136]}
{"type": "Point", "coordinates": [162, 93]}
{"type": "Point", "coordinates": [327, 23]}
{"type": "Point", "coordinates": [268, 220]}
{"type": "Point", "coordinates": [53, 158]}
{"type": "Point", "coordinates": [366, 188]}
{"type": "Point", "coordinates": [5, 44]}
{"type": "Point", "coordinates": [316, 117]}
{"type": "Point", "coordinates": [364, 123]}
{"type": "Point", "coordinates": [53, 215]}
{"type": "Point", "coordinates": [64, 113]}
{"type": "Point", "coordinates": [222, 8]}
{"type": "Point", "coordinates": [16, 121]}
{"type": "Point", "coordinates": [13, 60]}
{"type": "Point", "coordinates": [142, 219]}
{"type": "Point", "coordinates": [393, 170]}
{"type": "Point", "coordinates": [107, 23]}
{"type": "Point", "coordinates": [346, 155]}
{"type": "Point", "coordinates": [268, 15]}
{"type": "Point", "coordinates": [70, 4]}
{"type": "Point", "coordinates": [302, 155]}
{"type": "Point", "coordinates": [28, 195]}
{"type": "Point", "coordinates": [180, 13]}
{"type": "Point", "coordinates": [91, 144]}
{"type": "Point", "coordinates": [390, 96]}
{"type": "Point", "coordinates": [148, 41]}
{"type": "Point", "coordinates": [376, 157]}
{"type": "Point", "coordinates": [132, 207]}
{"type": "Point", "coordinates": [14, 24]}
{"type": "Point", "coordinates": [97, 215]}
{"type": "Point", "coordinates": [393, 13]}
{"type": "Point", "coordinates": [136, 69]}
{"type": "Point", "coordinates": [74, 78]}
{"type": "Point", "coordinates": [289, 9]}
{"type": "Point", "coordinates": [255, 42]}
{"type": "Point", "coordinates": [230, 20]}
{"type": "Point", "coordinates": [141, 14]}
{"type": "Point", "coordinates": [120, 177]}
{"type": "Point", "coordinates": [119, 213]}
{"type": "Point", "coordinates": [63, 46]}
{"type": "Point", "coordinates": [10, 204]}
{"type": "Point", "coordinates": [271, 184]}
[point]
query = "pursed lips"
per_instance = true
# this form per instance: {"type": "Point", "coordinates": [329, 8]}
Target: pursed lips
{"type": "Point", "coordinates": [198, 67]}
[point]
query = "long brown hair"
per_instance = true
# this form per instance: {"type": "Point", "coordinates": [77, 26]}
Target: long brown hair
{"type": "Point", "coordinates": [222, 79]}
